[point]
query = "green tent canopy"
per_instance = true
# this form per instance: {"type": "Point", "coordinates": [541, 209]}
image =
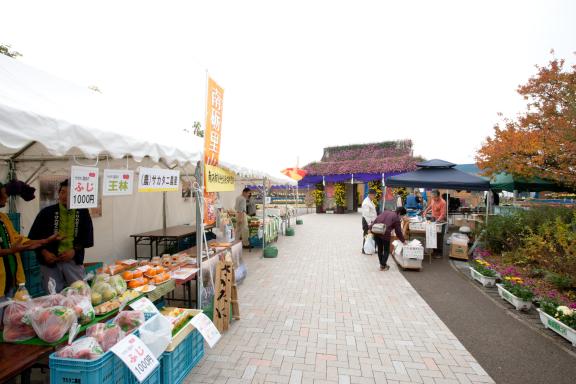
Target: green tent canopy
{"type": "Point", "coordinates": [509, 183]}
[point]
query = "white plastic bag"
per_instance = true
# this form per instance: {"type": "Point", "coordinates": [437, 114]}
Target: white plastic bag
{"type": "Point", "coordinates": [156, 333]}
{"type": "Point", "coordinates": [369, 245]}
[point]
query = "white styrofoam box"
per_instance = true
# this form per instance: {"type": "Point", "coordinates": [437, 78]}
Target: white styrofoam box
{"type": "Point", "coordinates": [410, 252]}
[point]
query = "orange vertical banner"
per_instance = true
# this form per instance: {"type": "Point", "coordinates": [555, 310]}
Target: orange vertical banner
{"type": "Point", "coordinates": [212, 139]}
{"type": "Point", "coordinates": [212, 135]}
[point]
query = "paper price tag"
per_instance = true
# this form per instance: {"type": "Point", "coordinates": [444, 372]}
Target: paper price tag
{"type": "Point", "coordinates": [136, 355]}
{"type": "Point", "coordinates": [144, 305]}
{"type": "Point", "coordinates": [206, 328]}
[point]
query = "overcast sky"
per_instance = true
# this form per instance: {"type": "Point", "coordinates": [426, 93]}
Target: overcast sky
{"type": "Point", "coordinates": [302, 75]}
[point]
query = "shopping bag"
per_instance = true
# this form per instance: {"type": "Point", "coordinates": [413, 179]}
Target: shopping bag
{"type": "Point", "coordinates": [156, 333]}
{"type": "Point", "coordinates": [369, 245]}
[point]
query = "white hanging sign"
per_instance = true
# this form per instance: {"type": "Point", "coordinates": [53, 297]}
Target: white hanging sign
{"type": "Point", "coordinates": [117, 182]}
{"type": "Point", "coordinates": [206, 328]}
{"type": "Point", "coordinates": [431, 236]}
{"type": "Point", "coordinates": [83, 187]}
{"type": "Point", "coordinates": [158, 180]}
{"type": "Point", "coordinates": [136, 355]}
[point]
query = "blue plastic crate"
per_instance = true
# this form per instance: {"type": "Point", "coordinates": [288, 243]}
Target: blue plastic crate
{"type": "Point", "coordinates": [255, 242]}
{"type": "Point", "coordinates": [109, 369]}
{"type": "Point", "coordinates": [176, 365]}
{"type": "Point", "coordinates": [154, 378]}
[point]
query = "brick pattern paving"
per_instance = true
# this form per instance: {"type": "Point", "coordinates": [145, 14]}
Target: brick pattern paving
{"type": "Point", "coordinates": [324, 313]}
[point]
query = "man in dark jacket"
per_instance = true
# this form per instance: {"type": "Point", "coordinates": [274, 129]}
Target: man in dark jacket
{"type": "Point", "coordinates": [392, 221]}
{"type": "Point", "coordinates": [62, 260]}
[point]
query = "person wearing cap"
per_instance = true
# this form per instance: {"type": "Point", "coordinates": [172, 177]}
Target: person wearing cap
{"type": "Point", "coordinates": [393, 221]}
{"type": "Point", "coordinates": [437, 207]}
{"type": "Point", "coordinates": [368, 214]}
{"type": "Point", "coordinates": [63, 260]}
{"type": "Point", "coordinates": [11, 245]}
{"type": "Point", "coordinates": [241, 217]}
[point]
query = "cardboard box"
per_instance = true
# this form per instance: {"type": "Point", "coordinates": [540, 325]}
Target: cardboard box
{"type": "Point", "coordinates": [472, 224]}
{"type": "Point", "coordinates": [459, 251]}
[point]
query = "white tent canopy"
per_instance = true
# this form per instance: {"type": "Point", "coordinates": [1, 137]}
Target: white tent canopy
{"type": "Point", "coordinates": [36, 107]}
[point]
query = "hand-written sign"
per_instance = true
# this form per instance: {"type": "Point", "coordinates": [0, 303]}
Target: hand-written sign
{"type": "Point", "coordinates": [136, 355]}
{"type": "Point", "coordinates": [218, 179]}
{"type": "Point", "coordinates": [158, 180]}
{"type": "Point", "coordinates": [117, 182]}
{"type": "Point", "coordinates": [206, 328]}
{"type": "Point", "coordinates": [83, 187]}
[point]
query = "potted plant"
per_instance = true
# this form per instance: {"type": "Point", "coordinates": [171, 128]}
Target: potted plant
{"type": "Point", "coordinates": [483, 272]}
{"type": "Point", "coordinates": [561, 319]}
{"type": "Point", "coordinates": [318, 194]}
{"type": "Point", "coordinates": [340, 197]}
{"type": "Point", "coordinates": [516, 292]}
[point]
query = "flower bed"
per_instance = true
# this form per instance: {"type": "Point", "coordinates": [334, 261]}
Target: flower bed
{"type": "Point", "coordinates": [561, 319]}
{"type": "Point", "coordinates": [483, 272]}
{"type": "Point", "coordinates": [517, 302]}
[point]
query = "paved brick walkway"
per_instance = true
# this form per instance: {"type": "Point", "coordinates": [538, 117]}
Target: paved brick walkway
{"type": "Point", "coordinates": [324, 313]}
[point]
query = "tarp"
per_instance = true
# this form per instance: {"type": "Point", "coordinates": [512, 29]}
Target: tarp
{"type": "Point", "coordinates": [358, 178]}
{"type": "Point", "coordinates": [507, 182]}
{"type": "Point", "coordinates": [438, 174]}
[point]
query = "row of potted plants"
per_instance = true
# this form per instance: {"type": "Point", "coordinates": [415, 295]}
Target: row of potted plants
{"type": "Point", "coordinates": [521, 294]}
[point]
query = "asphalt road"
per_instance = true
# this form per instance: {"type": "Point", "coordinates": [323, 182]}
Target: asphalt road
{"type": "Point", "coordinates": [509, 350]}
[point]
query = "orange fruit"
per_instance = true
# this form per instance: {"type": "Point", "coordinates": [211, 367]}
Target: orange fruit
{"type": "Point", "coordinates": [134, 283]}
{"type": "Point", "coordinates": [128, 275]}
{"type": "Point", "coordinates": [136, 274]}
{"type": "Point", "coordinates": [151, 272]}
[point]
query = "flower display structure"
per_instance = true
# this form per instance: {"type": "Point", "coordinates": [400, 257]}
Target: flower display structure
{"type": "Point", "coordinates": [518, 287]}
{"type": "Point", "coordinates": [340, 194]}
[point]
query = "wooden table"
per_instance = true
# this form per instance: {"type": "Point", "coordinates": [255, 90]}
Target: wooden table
{"type": "Point", "coordinates": [17, 359]}
{"type": "Point", "coordinates": [168, 235]}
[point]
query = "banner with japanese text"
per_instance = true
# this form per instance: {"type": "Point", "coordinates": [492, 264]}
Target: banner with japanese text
{"type": "Point", "coordinates": [158, 180]}
{"type": "Point", "coordinates": [218, 179]}
{"type": "Point", "coordinates": [83, 187]}
{"type": "Point", "coordinates": [212, 135]}
{"type": "Point", "coordinates": [117, 182]}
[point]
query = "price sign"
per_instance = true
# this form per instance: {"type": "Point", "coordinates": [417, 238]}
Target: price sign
{"type": "Point", "coordinates": [144, 305]}
{"type": "Point", "coordinates": [136, 355]}
{"type": "Point", "coordinates": [117, 182]}
{"type": "Point", "coordinates": [83, 189]}
{"type": "Point", "coordinates": [206, 328]}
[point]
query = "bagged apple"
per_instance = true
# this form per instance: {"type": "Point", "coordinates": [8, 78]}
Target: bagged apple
{"type": "Point", "coordinates": [86, 348]}
{"type": "Point", "coordinates": [129, 320]}
{"type": "Point", "coordinates": [107, 334]}
{"type": "Point", "coordinates": [14, 328]}
{"type": "Point", "coordinates": [81, 305]}
{"type": "Point", "coordinates": [51, 324]}
{"type": "Point", "coordinates": [102, 292]}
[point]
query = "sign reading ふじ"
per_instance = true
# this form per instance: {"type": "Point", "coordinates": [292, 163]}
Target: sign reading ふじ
{"type": "Point", "coordinates": [83, 188]}
{"type": "Point", "coordinates": [136, 355]}
{"type": "Point", "coordinates": [117, 182]}
{"type": "Point", "coordinates": [158, 180]}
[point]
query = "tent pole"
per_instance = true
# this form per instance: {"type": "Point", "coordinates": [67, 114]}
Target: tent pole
{"type": "Point", "coordinates": [487, 206]}
{"type": "Point", "coordinates": [263, 215]}
{"type": "Point", "coordinates": [199, 232]}
{"type": "Point", "coordinates": [384, 194]}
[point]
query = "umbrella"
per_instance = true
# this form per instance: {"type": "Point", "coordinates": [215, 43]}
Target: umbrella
{"type": "Point", "coordinates": [295, 173]}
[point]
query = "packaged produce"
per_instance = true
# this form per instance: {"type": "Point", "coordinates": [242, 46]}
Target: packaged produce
{"type": "Point", "coordinates": [161, 278]}
{"type": "Point", "coordinates": [14, 328]}
{"type": "Point", "coordinates": [22, 293]}
{"type": "Point", "coordinates": [86, 348]}
{"type": "Point", "coordinates": [100, 278]}
{"type": "Point", "coordinates": [106, 291]}
{"type": "Point", "coordinates": [51, 324]}
{"type": "Point", "coordinates": [81, 305]}
{"type": "Point", "coordinates": [128, 275]}
{"type": "Point", "coordinates": [78, 287]}
{"type": "Point", "coordinates": [107, 334]}
{"type": "Point", "coordinates": [118, 283]}
{"type": "Point", "coordinates": [138, 282]}
{"type": "Point", "coordinates": [106, 307]}
{"type": "Point", "coordinates": [129, 320]}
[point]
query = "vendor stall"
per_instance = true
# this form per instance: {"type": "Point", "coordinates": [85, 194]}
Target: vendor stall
{"type": "Point", "coordinates": [436, 174]}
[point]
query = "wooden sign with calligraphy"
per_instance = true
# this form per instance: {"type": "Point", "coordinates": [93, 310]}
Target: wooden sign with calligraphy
{"type": "Point", "coordinates": [223, 294]}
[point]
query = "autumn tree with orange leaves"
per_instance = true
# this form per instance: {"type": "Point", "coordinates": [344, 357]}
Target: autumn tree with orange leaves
{"type": "Point", "coordinates": [541, 142]}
